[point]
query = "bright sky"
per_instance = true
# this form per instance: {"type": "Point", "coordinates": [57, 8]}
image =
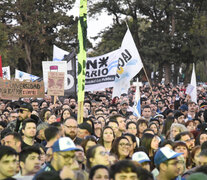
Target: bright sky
{"type": "Point", "coordinates": [94, 25]}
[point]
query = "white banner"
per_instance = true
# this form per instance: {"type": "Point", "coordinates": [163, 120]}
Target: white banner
{"type": "Point", "coordinates": [101, 71]}
{"type": "Point", "coordinates": [58, 53]}
{"type": "Point", "coordinates": [6, 72]}
{"type": "Point", "coordinates": [129, 64]}
{"type": "Point", "coordinates": [54, 66]}
{"type": "Point", "coordinates": [20, 75]}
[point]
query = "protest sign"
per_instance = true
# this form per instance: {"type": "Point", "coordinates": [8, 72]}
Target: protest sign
{"type": "Point", "coordinates": [56, 83]}
{"type": "Point", "coordinates": [14, 89]}
{"type": "Point", "coordinates": [54, 66]}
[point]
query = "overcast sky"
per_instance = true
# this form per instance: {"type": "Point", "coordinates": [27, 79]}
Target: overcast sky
{"type": "Point", "coordinates": [94, 25]}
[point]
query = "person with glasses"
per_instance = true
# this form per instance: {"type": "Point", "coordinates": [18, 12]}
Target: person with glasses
{"type": "Point", "coordinates": [97, 155]}
{"type": "Point", "coordinates": [70, 126]}
{"type": "Point", "coordinates": [63, 158]}
{"type": "Point", "coordinates": [167, 163]}
{"type": "Point", "coordinates": [24, 112]}
{"type": "Point", "coordinates": [121, 147]}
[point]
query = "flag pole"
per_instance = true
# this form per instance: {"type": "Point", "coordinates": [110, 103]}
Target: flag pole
{"type": "Point", "coordinates": [82, 38]}
{"type": "Point", "coordinates": [1, 73]}
{"type": "Point", "coordinates": [148, 79]}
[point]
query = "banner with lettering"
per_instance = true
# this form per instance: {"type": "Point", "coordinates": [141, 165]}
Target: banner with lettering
{"type": "Point", "coordinates": [101, 71]}
{"type": "Point", "coordinates": [14, 89]}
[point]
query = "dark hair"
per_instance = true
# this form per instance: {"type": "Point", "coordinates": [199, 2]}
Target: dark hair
{"type": "Point", "coordinates": [85, 141]}
{"type": "Point", "coordinates": [115, 145]}
{"type": "Point", "coordinates": [51, 132]}
{"type": "Point", "coordinates": [204, 146]}
{"type": "Point", "coordinates": [202, 169]}
{"type": "Point", "coordinates": [146, 141]}
{"type": "Point", "coordinates": [15, 135]}
{"type": "Point", "coordinates": [67, 109]}
{"type": "Point", "coordinates": [101, 140]}
{"type": "Point", "coordinates": [165, 142]}
{"type": "Point", "coordinates": [130, 122]}
{"type": "Point", "coordinates": [51, 175]}
{"type": "Point", "coordinates": [123, 166]}
{"type": "Point", "coordinates": [141, 121]}
{"type": "Point", "coordinates": [203, 152]}
{"type": "Point", "coordinates": [115, 116]}
{"type": "Point", "coordinates": [42, 113]}
{"type": "Point", "coordinates": [180, 135]}
{"type": "Point", "coordinates": [95, 168]}
{"type": "Point", "coordinates": [7, 151]}
{"type": "Point", "coordinates": [181, 143]}
{"type": "Point", "coordinates": [27, 151]}
{"type": "Point", "coordinates": [144, 174]}
{"type": "Point", "coordinates": [90, 154]}
{"type": "Point", "coordinates": [197, 141]}
{"type": "Point", "coordinates": [24, 123]}
{"type": "Point", "coordinates": [167, 124]}
{"type": "Point", "coordinates": [113, 121]}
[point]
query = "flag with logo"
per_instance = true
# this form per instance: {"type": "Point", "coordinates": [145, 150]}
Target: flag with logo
{"type": "Point", "coordinates": [129, 65]}
{"type": "Point", "coordinates": [20, 75]}
{"type": "Point", "coordinates": [6, 72]}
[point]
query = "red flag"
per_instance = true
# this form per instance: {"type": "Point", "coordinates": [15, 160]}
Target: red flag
{"type": "Point", "coordinates": [1, 74]}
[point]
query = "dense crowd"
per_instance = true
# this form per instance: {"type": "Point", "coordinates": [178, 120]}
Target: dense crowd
{"type": "Point", "coordinates": [41, 139]}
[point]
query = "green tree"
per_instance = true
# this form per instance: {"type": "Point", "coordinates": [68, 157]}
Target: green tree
{"type": "Point", "coordinates": [33, 26]}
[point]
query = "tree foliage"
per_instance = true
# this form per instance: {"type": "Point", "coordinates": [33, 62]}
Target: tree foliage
{"type": "Point", "coordinates": [33, 26]}
{"type": "Point", "coordinates": [175, 35]}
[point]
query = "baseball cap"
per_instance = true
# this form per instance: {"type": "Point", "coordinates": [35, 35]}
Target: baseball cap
{"type": "Point", "coordinates": [64, 144]}
{"type": "Point", "coordinates": [26, 105]}
{"type": "Point", "coordinates": [140, 157]}
{"type": "Point", "coordinates": [158, 115]}
{"type": "Point", "coordinates": [164, 154]}
{"type": "Point", "coordinates": [184, 107]}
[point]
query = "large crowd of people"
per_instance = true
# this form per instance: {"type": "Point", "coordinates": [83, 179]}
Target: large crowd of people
{"type": "Point", "coordinates": [41, 139]}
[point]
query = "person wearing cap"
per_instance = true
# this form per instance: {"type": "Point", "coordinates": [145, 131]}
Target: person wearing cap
{"type": "Point", "coordinates": [167, 163]}
{"type": "Point", "coordinates": [63, 158]}
{"type": "Point", "coordinates": [25, 111]}
{"type": "Point", "coordinates": [124, 106]}
{"type": "Point", "coordinates": [142, 158]}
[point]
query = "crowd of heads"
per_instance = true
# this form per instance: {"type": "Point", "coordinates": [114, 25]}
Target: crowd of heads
{"type": "Point", "coordinates": [42, 139]}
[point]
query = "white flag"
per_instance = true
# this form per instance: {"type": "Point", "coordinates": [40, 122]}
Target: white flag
{"type": "Point", "coordinates": [58, 53]}
{"type": "Point", "coordinates": [137, 101]}
{"type": "Point", "coordinates": [129, 64]}
{"type": "Point", "coordinates": [24, 76]}
{"type": "Point", "coordinates": [191, 89]}
{"type": "Point", "coordinates": [6, 72]}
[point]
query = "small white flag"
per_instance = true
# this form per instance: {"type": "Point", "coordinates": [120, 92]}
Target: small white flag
{"type": "Point", "coordinates": [191, 89]}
